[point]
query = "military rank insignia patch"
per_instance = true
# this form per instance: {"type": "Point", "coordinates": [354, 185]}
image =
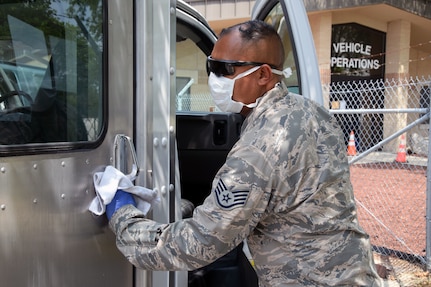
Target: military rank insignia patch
{"type": "Point", "coordinates": [229, 199]}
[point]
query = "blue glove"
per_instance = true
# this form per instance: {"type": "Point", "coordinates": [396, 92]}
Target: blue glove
{"type": "Point", "coordinates": [120, 199]}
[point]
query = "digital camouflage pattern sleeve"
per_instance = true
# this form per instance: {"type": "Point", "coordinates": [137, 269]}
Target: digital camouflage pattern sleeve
{"type": "Point", "coordinates": [285, 187]}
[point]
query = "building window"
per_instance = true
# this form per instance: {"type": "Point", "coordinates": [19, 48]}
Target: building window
{"type": "Point", "coordinates": [357, 51]}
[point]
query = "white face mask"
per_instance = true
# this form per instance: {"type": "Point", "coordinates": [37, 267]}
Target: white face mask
{"type": "Point", "coordinates": [221, 89]}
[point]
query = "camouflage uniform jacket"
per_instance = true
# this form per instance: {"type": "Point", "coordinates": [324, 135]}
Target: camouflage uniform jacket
{"type": "Point", "coordinates": [285, 188]}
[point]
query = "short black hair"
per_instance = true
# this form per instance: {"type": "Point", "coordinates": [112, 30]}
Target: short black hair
{"type": "Point", "coordinates": [253, 31]}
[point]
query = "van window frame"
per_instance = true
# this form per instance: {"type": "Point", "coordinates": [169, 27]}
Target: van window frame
{"type": "Point", "coordinates": [33, 148]}
{"type": "Point", "coordinates": [263, 15]}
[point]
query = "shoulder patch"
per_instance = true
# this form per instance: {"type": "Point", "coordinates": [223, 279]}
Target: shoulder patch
{"type": "Point", "coordinates": [229, 199]}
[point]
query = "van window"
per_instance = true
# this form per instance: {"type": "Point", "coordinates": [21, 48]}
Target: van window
{"type": "Point", "coordinates": [276, 18]}
{"type": "Point", "coordinates": [192, 77]}
{"type": "Point", "coordinates": [50, 71]}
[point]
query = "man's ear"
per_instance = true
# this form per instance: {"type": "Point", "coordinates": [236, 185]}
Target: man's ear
{"type": "Point", "coordinates": [265, 75]}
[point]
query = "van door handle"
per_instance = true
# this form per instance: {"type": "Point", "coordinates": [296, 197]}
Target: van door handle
{"type": "Point", "coordinates": [123, 151]}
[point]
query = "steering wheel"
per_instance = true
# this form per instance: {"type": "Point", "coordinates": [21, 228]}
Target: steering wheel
{"type": "Point", "coordinates": [24, 109]}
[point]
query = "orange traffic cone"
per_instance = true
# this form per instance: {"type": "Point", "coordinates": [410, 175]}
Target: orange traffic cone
{"type": "Point", "coordinates": [401, 156]}
{"type": "Point", "coordinates": [351, 148]}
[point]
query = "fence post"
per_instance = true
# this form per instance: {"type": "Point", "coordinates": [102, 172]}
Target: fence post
{"type": "Point", "coordinates": [428, 200]}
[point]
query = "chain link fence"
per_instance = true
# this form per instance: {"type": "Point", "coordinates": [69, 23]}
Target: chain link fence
{"type": "Point", "coordinates": [93, 128]}
{"type": "Point", "coordinates": [386, 129]}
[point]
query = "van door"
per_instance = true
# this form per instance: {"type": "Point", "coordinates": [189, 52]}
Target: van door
{"type": "Point", "coordinates": [66, 91]}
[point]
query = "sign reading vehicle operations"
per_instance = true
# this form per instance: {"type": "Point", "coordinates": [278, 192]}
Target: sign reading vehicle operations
{"type": "Point", "coordinates": [364, 62]}
{"type": "Point", "coordinates": [357, 51]}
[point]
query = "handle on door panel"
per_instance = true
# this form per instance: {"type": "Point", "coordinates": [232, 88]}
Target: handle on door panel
{"type": "Point", "coordinates": [122, 145]}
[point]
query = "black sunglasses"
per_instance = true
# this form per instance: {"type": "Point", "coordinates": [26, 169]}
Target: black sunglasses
{"type": "Point", "coordinates": [226, 67]}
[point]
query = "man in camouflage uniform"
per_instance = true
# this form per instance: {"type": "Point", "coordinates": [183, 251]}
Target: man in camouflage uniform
{"type": "Point", "coordinates": [285, 187]}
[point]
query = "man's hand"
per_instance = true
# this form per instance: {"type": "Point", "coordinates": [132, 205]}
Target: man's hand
{"type": "Point", "coordinates": [120, 199]}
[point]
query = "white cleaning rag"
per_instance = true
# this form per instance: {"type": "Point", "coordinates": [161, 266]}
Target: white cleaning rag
{"type": "Point", "coordinates": [107, 183]}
